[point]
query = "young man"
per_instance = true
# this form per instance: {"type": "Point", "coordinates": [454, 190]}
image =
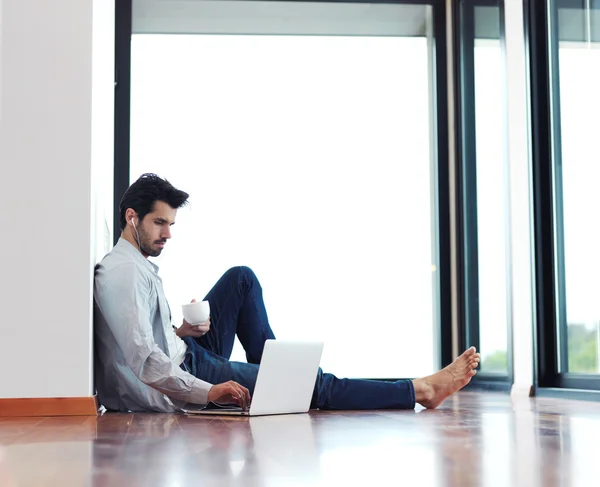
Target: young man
{"type": "Point", "coordinates": [143, 363]}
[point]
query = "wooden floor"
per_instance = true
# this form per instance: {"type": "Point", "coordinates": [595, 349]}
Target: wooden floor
{"type": "Point", "coordinates": [474, 439]}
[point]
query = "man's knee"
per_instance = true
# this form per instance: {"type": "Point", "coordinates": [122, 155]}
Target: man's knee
{"type": "Point", "coordinates": [242, 273]}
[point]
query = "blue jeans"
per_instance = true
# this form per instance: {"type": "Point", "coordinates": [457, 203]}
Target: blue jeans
{"type": "Point", "coordinates": [237, 308]}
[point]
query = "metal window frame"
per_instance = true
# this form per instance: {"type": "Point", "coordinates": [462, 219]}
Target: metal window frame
{"type": "Point", "coordinates": [123, 20]}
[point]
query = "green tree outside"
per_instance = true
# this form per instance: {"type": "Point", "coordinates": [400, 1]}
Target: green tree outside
{"type": "Point", "coordinates": [582, 347]}
{"type": "Point", "coordinates": [496, 362]}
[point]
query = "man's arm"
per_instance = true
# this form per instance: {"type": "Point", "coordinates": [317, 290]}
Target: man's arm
{"type": "Point", "coordinates": [122, 297]}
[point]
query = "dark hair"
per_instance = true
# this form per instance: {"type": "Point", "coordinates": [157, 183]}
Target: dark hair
{"type": "Point", "coordinates": [145, 192]}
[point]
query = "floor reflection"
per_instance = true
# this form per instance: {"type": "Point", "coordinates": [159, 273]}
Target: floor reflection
{"type": "Point", "coordinates": [6, 475]}
{"type": "Point", "coordinates": [473, 440]}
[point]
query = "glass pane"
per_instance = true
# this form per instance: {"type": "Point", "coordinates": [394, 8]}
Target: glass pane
{"type": "Point", "coordinates": [492, 194]}
{"type": "Point", "coordinates": [308, 158]}
{"type": "Point", "coordinates": [577, 175]}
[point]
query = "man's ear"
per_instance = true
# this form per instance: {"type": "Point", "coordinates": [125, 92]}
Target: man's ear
{"type": "Point", "coordinates": [130, 215]}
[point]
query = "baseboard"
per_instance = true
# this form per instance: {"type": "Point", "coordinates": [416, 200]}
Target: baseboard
{"type": "Point", "coordinates": [49, 406]}
{"type": "Point", "coordinates": [522, 391]}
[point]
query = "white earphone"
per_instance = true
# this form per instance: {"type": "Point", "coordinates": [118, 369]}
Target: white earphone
{"type": "Point", "coordinates": [131, 222]}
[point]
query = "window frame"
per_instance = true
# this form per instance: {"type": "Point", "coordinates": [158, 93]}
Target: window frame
{"type": "Point", "coordinates": [466, 184]}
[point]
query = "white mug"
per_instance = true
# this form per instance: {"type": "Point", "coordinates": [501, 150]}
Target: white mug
{"type": "Point", "coordinates": [196, 313]}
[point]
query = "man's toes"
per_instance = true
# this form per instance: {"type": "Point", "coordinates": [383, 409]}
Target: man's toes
{"type": "Point", "coordinates": [468, 354]}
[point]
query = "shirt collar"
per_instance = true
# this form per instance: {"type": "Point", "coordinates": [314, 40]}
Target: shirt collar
{"type": "Point", "coordinates": [126, 247]}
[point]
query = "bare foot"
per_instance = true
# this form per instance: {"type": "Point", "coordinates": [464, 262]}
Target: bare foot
{"type": "Point", "coordinates": [430, 391]}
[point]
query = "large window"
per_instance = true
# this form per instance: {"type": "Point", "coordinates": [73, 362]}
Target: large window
{"type": "Point", "coordinates": [577, 174]}
{"type": "Point", "coordinates": [492, 190]}
{"type": "Point", "coordinates": [566, 173]}
{"type": "Point", "coordinates": [308, 140]}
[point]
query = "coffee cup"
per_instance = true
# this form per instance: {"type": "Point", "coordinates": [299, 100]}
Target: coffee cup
{"type": "Point", "coordinates": [196, 313]}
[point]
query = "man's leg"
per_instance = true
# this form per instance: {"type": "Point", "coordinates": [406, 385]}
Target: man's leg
{"type": "Point", "coordinates": [237, 307]}
{"type": "Point", "coordinates": [333, 393]}
{"type": "Point", "coordinates": [329, 392]}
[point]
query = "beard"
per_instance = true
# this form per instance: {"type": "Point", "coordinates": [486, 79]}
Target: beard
{"type": "Point", "coordinates": [146, 244]}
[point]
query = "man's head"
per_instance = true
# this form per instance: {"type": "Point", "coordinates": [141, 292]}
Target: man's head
{"type": "Point", "coordinates": [147, 211]}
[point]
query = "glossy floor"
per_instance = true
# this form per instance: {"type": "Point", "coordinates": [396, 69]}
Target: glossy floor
{"type": "Point", "coordinates": [473, 439]}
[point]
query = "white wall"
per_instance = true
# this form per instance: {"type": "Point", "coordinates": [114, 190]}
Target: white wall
{"type": "Point", "coordinates": [46, 101]}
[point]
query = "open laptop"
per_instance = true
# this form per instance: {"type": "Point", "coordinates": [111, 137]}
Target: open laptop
{"type": "Point", "coordinates": [285, 382]}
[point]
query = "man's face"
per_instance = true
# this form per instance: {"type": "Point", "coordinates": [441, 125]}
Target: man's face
{"type": "Point", "coordinates": [155, 229]}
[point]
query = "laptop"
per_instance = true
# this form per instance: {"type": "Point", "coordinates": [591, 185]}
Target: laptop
{"type": "Point", "coordinates": [285, 382]}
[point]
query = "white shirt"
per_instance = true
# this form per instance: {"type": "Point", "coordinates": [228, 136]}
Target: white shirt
{"type": "Point", "coordinates": [176, 346]}
{"type": "Point", "coordinates": [137, 352]}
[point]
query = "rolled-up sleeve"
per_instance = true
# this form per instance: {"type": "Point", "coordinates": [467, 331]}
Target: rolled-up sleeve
{"type": "Point", "coordinates": [122, 296]}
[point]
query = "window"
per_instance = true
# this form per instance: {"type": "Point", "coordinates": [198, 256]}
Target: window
{"type": "Point", "coordinates": [308, 142]}
{"type": "Point", "coordinates": [484, 187]}
{"type": "Point", "coordinates": [577, 173]}
{"type": "Point", "coordinates": [565, 105]}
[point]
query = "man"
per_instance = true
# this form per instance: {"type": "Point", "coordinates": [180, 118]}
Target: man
{"type": "Point", "coordinates": [143, 363]}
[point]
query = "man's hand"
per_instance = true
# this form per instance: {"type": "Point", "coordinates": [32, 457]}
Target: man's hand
{"type": "Point", "coordinates": [187, 330]}
{"type": "Point", "coordinates": [195, 331]}
{"type": "Point", "coordinates": [230, 392]}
